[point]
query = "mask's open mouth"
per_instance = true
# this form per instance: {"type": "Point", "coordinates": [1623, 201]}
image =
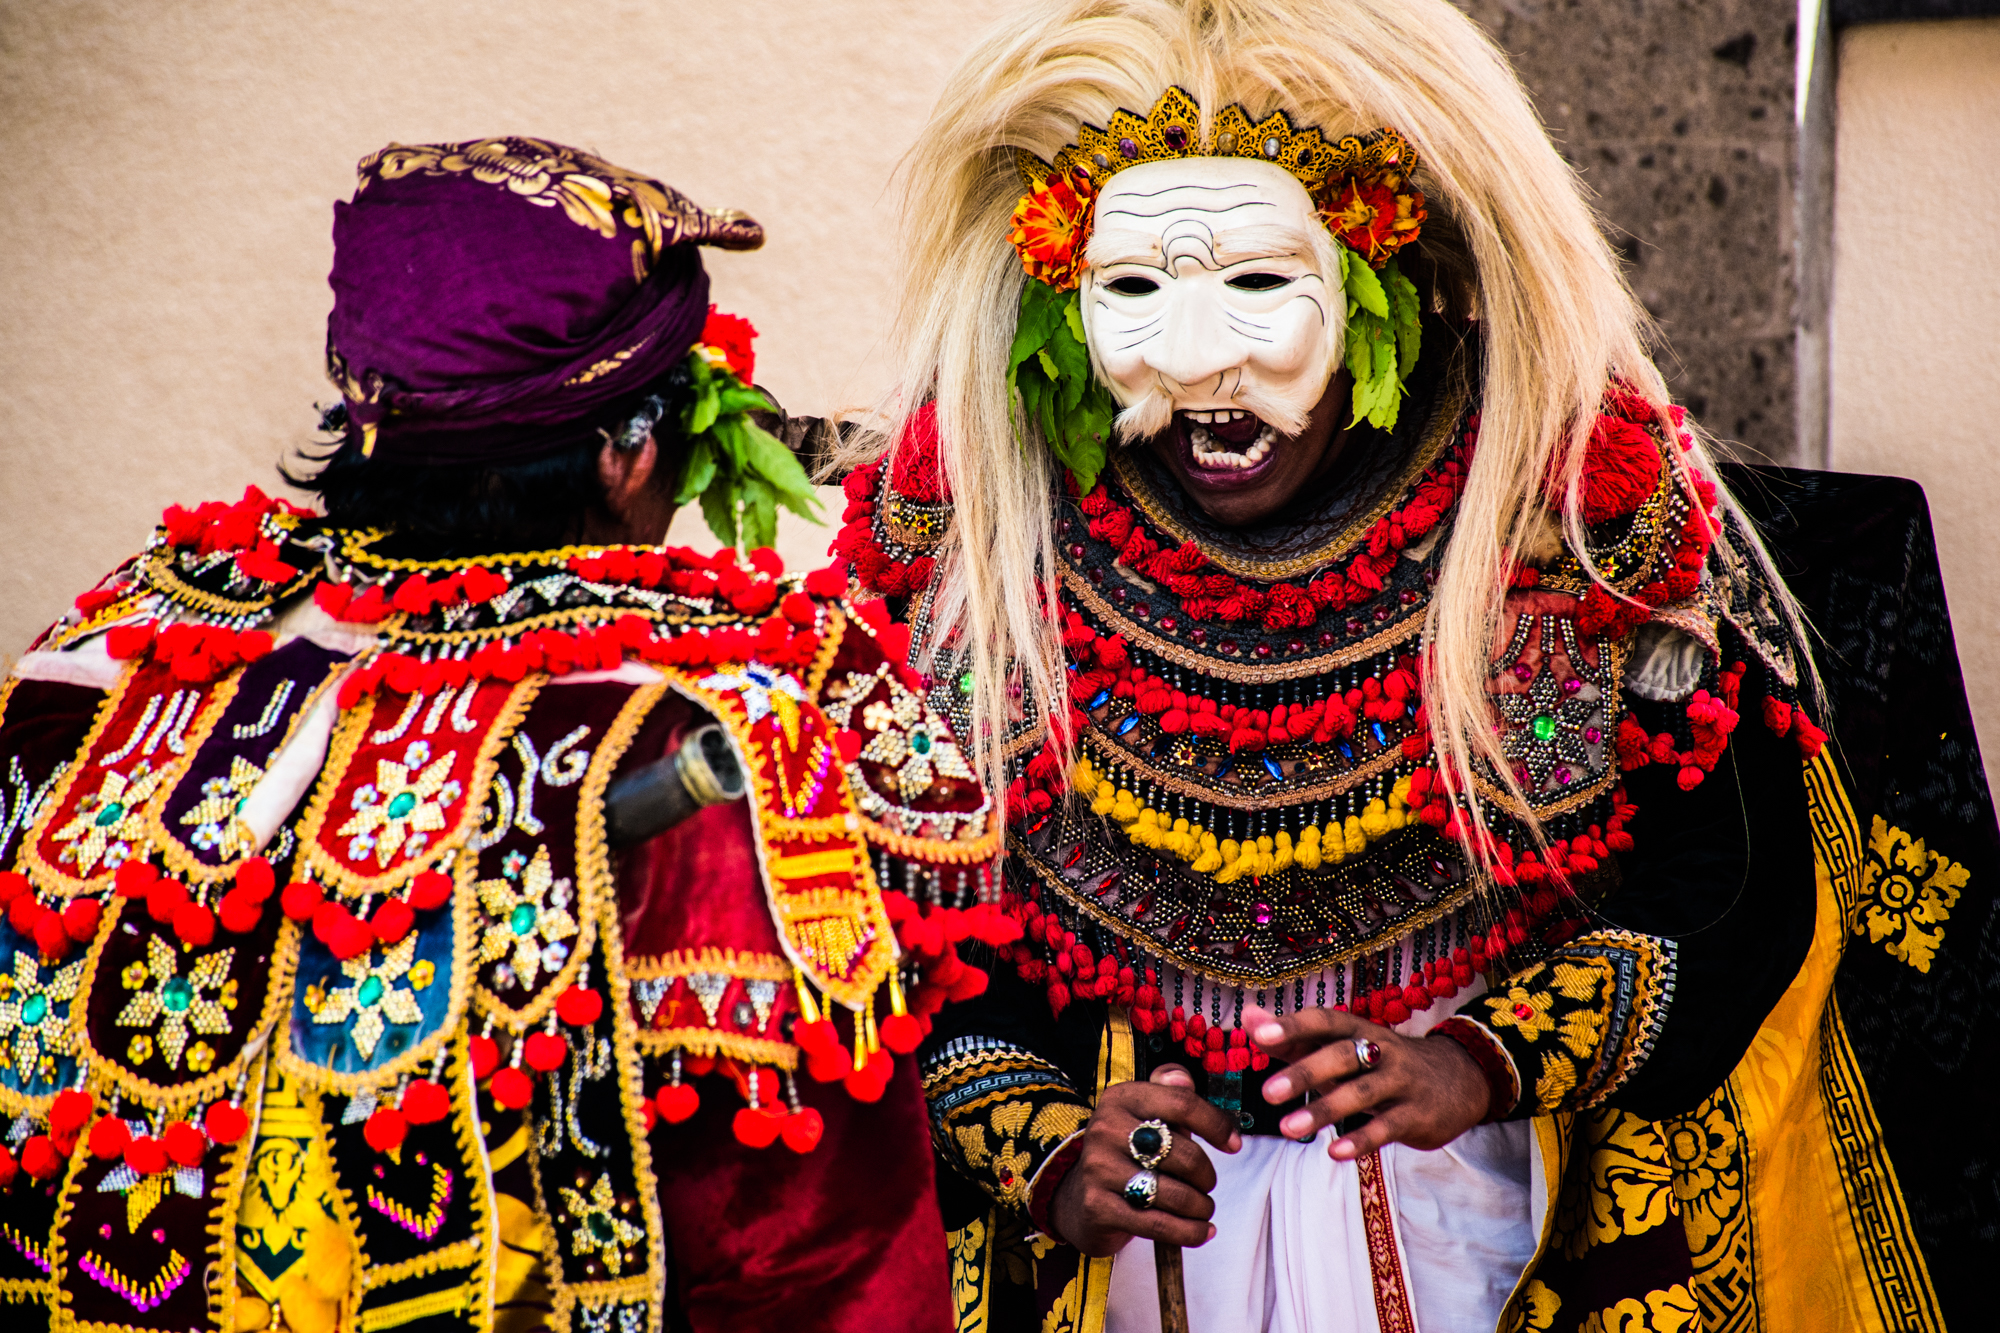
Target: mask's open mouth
{"type": "Point", "coordinates": [1225, 446]}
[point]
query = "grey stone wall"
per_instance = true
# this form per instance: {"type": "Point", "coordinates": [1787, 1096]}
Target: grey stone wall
{"type": "Point", "coordinates": [1679, 116]}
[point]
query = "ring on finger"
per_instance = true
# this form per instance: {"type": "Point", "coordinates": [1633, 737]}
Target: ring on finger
{"type": "Point", "coordinates": [1367, 1053]}
{"type": "Point", "coordinates": [1149, 1143]}
{"type": "Point", "coordinates": [1142, 1189]}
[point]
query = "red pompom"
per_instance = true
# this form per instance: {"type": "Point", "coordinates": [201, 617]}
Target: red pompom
{"type": "Point", "coordinates": [300, 899]}
{"type": "Point", "coordinates": [385, 1129]}
{"type": "Point", "coordinates": [164, 897]}
{"type": "Point", "coordinates": [757, 1127]}
{"type": "Point", "coordinates": [430, 890]}
{"type": "Point", "coordinates": [39, 1157]}
{"type": "Point", "coordinates": [195, 925]}
{"type": "Point", "coordinates": [254, 877]}
{"type": "Point", "coordinates": [512, 1088]}
{"type": "Point", "coordinates": [184, 1143]}
{"type": "Point", "coordinates": [146, 1156]}
{"type": "Point", "coordinates": [7, 1167]}
{"type": "Point", "coordinates": [425, 1102]}
{"type": "Point", "coordinates": [820, 1035]}
{"type": "Point", "coordinates": [12, 885]}
{"type": "Point", "coordinates": [677, 1101]}
{"type": "Point", "coordinates": [239, 912]}
{"type": "Point", "coordinates": [901, 1034]}
{"type": "Point", "coordinates": [579, 1006]}
{"type": "Point", "coordinates": [485, 1055]}
{"type": "Point", "coordinates": [226, 1122]}
{"type": "Point", "coordinates": [50, 937]}
{"type": "Point", "coordinates": [392, 921]}
{"type": "Point", "coordinates": [868, 1083]}
{"type": "Point", "coordinates": [109, 1138]}
{"type": "Point", "coordinates": [803, 1130]}
{"type": "Point", "coordinates": [70, 1111]}
{"type": "Point", "coordinates": [545, 1051]}
{"type": "Point", "coordinates": [79, 919]}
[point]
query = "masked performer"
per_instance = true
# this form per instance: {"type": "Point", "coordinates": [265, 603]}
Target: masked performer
{"type": "Point", "coordinates": [1434, 879]}
{"type": "Point", "coordinates": [347, 985]}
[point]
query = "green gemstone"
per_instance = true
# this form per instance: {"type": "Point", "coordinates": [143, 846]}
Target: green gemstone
{"type": "Point", "coordinates": [177, 994]}
{"type": "Point", "coordinates": [1544, 727]}
{"type": "Point", "coordinates": [34, 1009]}
{"type": "Point", "coordinates": [369, 991]}
{"type": "Point", "coordinates": [920, 742]}
{"type": "Point", "coordinates": [401, 804]}
{"type": "Point", "coordinates": [522, 920]}
{"type": "Point", "coordinates": [110, 814]}
{"type": "Point", "coordinates": [965, 683]}
{"type": "Point", "coordinates": [600, 1227]}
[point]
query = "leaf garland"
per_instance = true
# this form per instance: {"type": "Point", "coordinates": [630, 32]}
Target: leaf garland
{"type": "Point", "coordinates": [741, 472]}
{"type": "Point", "coordinates": [1049, 367]}
{"type": "Point", "coordinates": [1384, 329]}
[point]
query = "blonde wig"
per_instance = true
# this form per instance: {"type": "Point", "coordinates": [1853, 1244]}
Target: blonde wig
{"type": "Point", "coordinates": [1508, 215]}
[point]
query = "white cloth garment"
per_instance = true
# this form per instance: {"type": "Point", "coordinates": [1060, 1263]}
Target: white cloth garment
{"type": "Point", "coordinates": [1290, 1253]}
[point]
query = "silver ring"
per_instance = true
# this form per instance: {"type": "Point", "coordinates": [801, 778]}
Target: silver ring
{"type": "Point", "coordinates": [1367, 1053]}
{"type": "Point", "coordinates": [1149, 1143]}
{"type": "Point", "coordinates": [1142, 1189]}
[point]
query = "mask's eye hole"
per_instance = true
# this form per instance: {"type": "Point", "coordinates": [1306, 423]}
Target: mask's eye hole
{"type": "Point", "coordinates": [1131, 285]}
{"type": "Point", "coordinates": [1259, 282]}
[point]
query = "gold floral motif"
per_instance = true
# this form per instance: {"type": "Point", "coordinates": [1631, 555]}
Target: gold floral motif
{"type": "Point", "coordinates": [598, 1225]}
{"type": "Point", "coordinates": [1669, 1311]}
{"type": "Point", "coordinates": [374, 1000]}
{"type": "Point", "coordinates": [34, 1017]}
{"type": "Point", "coordinates": [215, 818]}
{"type": "Point", "coordinates": [109, 821]}
{"type": "Point", "coordinates": [1535, 1310]}
{"type": "Point", "coordinates": [1527, 1012]}
{"type": "Point", "coordinates": [1626, 1186]}
{"type": "Point", "coordinates": [182, 1005]}
{"type": "Point", "coordinates": [398, 810]}
{"type": "Point", "coordinates": [1905, 888]}
{"type": "Point", "coordinates": [524, 918]}
{"type": "Point", "coordinates": [1706, 1153]}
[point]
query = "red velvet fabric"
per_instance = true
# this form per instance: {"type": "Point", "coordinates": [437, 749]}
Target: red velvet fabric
{"type": "Point", "coordinates": [846, 1237]}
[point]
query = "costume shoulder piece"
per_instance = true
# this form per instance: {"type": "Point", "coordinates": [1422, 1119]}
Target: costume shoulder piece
{"type": "Point", "coordinates": [1254, 799]}
{"type": "Point", "coordinates": [286, 811]}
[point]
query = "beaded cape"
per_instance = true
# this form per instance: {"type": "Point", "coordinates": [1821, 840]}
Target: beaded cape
{"type": "Point", "coordinates": [290, 814]}
{"type": "Point", "coordinates": [1253, 799]}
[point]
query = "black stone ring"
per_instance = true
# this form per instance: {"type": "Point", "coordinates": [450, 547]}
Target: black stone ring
{"type": "Point", "coordinates": [1367, 1053]}
{"type": "Point", "coordinates": [1149, 1143]}
{"type": "Point", "coordinates": [1142, 1189]}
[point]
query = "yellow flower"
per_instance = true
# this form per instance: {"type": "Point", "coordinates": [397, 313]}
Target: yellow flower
{"type": "Point", "coordinates": [1524, 1011]}
{"type": "Point", "coordinates": [1906, 887]}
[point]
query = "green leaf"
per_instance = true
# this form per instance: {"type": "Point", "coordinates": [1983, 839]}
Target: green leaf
{"type": "Point", "coordinates": [1365, 287]}
{"type": "Point", "coordinates": [1048, 364]}
{"type": "Point", "coordinates": [718, 506]}
{"type": "Point", "coordinates": [1073, 316]}
{"type": "Point", "coordinates": [703, 411]}
{"type": "Point", "coordinates": [728, 436]}
{"type": "Point", "coordinates": [760, 514]}
{"type": "Point", "coordinates": [768, 460]}
{"type": "Point", "coordinates": [1041, 313]}
{"type": "Point", "coordinates": [1406, 316]}
{"type": "Point", "coordinates": [699, 472]}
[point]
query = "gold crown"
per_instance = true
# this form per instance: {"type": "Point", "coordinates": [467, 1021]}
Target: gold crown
{"type": "Point", "coordinates": [1172, 130]}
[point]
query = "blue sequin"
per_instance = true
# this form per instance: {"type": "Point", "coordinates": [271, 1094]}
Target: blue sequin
{"type": "Point", "coordinates": [1128, 724]}
{"type": "Point", "coordinates": [1097, 701]}
{"type": "Point", "coordinates": [1381, 736]}
{"type": "Point", "coordinates": [1271, 767]}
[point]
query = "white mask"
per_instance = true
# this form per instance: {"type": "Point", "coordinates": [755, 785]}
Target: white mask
{"type": "Point", "coordinates": [1208, 291]}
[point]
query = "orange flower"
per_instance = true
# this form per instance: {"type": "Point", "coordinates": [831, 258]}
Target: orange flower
{"type": "Point", "coordinates": [1375, 216]}
{"type": "Point", "coordinates": [1050, 227]}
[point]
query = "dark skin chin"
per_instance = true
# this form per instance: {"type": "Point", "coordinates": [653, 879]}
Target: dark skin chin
{"type": "Point", "coordinates": [1423, 1091]}
{"type": "Point", "coordinates": [638, 498]}
{"type": "Point", "coordinates": [1300, 460]}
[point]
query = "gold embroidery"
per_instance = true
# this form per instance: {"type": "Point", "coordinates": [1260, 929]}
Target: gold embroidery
{"type": "Point", "coordinates": [1906, 887]}
{"type": "Point", "coordinates": [1668, 1311]}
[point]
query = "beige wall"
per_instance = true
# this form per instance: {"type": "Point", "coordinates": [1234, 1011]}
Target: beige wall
{"type": "Point", "coordinates": [173, 165]}
{"type": "Point", "coordinates": [1916, 302]}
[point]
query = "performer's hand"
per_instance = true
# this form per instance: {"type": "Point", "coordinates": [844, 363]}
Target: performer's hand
{"type": "Point", "coordinates": [1089, 1210]}
{"type": "Point", "coordinates": [1422, 1091]}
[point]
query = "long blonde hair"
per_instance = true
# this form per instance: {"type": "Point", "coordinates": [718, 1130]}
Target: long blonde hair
{"type": "Point", "coordinates": [1557, 320]}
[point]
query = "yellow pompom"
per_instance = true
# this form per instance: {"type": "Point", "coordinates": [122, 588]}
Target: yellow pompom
{"type": "Point", "coordinates": [1281, 858]}
{"type": "Point", "coordinates": [1307, 853]}
{"type": "Point", "coordinates": [1375, 820]}
{"type": "Point", "coordinates": [1210, 859]}
{"type": "Point", "coordinates": [1399, 795]}
{"type": "Point", "coordinates": [1104, 800]}
{"type": "Point", "coordinates": [1355, 836]}
{"type": "Point", "coordinates": [1082, 779]}
{"type": "Point", "coordinates": [1124, 809]}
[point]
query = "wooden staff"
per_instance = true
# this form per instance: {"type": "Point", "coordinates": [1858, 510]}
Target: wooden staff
{"type": "Point", "coordinates": [1173, 1287]}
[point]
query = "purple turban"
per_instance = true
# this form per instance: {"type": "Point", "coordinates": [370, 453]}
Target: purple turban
{"type": "Point", "coordinates": [494, 301]}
